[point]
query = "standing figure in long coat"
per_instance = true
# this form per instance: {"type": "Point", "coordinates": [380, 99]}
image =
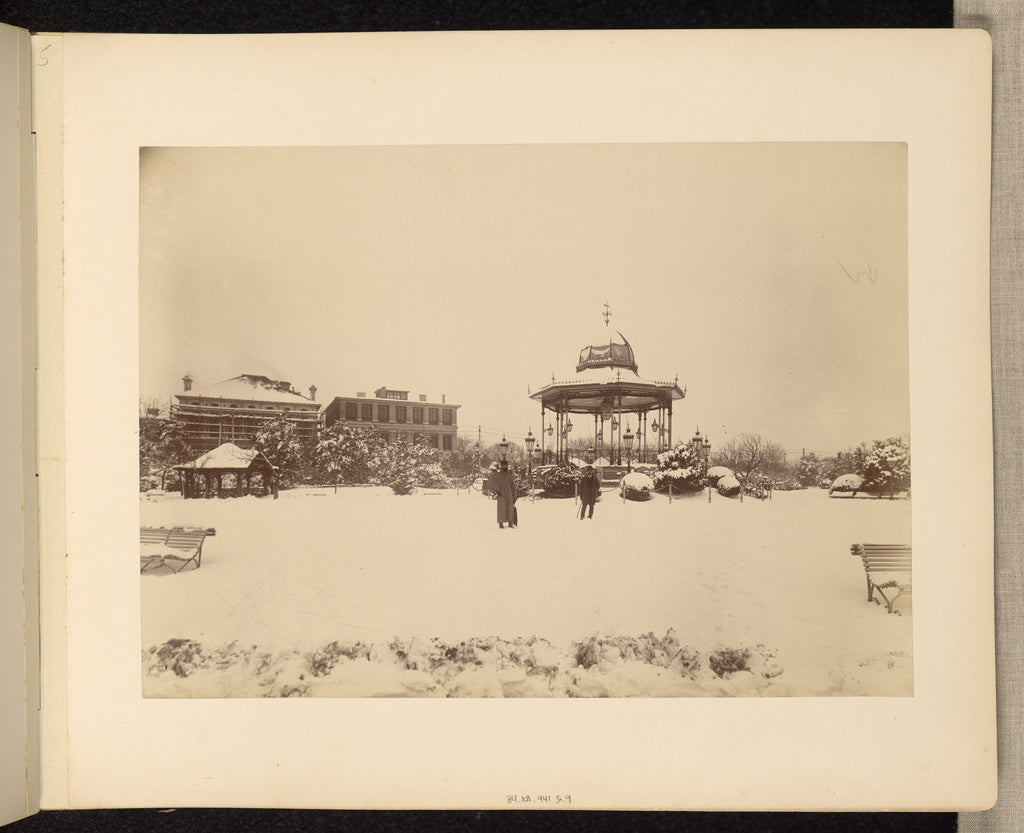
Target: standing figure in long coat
{"type": "Point", "coordinates": [503, 487]}
{"type": "Point", "coordinates": [590, 488]}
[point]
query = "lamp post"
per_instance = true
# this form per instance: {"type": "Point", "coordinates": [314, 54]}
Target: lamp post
{"type": "Point", "coordinates": [565, 438]}
{"type": "Point", "coordinates": [503, 445]}
{"type": "Point", "coordinates": [530, 440]}
{"type": "Point", "coordinates": [550, 431]}
{"type": "Point", "coordinates": [628, 440]}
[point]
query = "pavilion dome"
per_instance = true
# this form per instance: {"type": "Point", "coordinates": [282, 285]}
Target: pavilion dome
{"type": "Point", "coordinates": [608, 349]}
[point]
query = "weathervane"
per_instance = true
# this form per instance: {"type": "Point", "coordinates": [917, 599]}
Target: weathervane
{"type": "Point", "coordinates": [607, 314]}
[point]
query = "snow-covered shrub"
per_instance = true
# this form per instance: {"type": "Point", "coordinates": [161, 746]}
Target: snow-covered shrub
{"type": "Point", "coordinates": [716, 473]}
{"type": "Point", "coordinates": [682, 468]}
{"type": "Point", "coordinates": [729, 660]}
{"type": "Point", "coordinates": [405, 467]}
{"type": "Point", "coordinates": [347, 453]}
{"type": "Point", "coordinates": [847, 483]}
{"type": "Point", "coordinates": [808, 470]}
{"type": "Point", "coordinates": [324, 659]}
{"type": "Point", "coordinates": [277, 440]}
{"type": "Point", "coordinates": [887, 467]}
{"type": "Point", "coordinates": [728, 486]}
{"type": "Point", "coordinates": [757, 486]}
{"type": "Point", "coordinates": [396, 468]}
{"type": "Point", "coordinates": [560, 481]}
{"type": "Point", "coordinates": [636, 486]}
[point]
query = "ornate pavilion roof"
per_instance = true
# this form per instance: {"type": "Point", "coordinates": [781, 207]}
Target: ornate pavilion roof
{"type": "Point", "coordinates": [609, 349]}
{"type": "Point", "coordinates": [607, 372]}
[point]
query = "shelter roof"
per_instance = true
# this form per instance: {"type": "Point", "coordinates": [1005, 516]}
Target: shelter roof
{"type": "Point", "coordinates": [227, 456]}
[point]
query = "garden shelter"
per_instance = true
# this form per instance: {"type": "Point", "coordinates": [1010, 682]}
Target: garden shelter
{"type": "Point", "coordinates": [228, 471]}
{"type": "Point", "coordinates": [608, 387]}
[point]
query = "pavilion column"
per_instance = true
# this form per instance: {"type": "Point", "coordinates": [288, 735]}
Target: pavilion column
{"type": "Point", "coordinates": [670, 423]}
{"type": "Point", "coordinates": [597, 417]}
{"type": "Point", "coordinates": [562, 438]}
{"type": "Point", "coordinates": [542, 435]}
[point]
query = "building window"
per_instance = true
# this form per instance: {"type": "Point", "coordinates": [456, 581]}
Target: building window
{"type": "Point", "coordinates": [432, 440]}
{"type": "Point", "coordinates": [383, 413]}
{"type": "Point", "coordinates": [351, 411]}
{"type": "Point", "coordinates": [367, 415]}
{"type": "Point", "coordinates": [447, 417]}
{"type": "Point", "coordinates": [417, 416]}
{"type": "Point", "coordinates": [446, 441]}
{"type": "Point", "coordinates": [433, 416]}
{"type": "Point", "coordinates": [399, 413]}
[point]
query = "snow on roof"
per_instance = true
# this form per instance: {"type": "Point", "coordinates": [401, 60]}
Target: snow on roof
{"type": "Point", "coordinates": [609, 375]}
{"type": "Point", "coordinates": [226, 456]}
{"type": "Point", "coordinates": [250, 387]}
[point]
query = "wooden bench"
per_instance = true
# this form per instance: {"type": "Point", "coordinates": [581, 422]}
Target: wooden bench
{"type": "Point", "coordinates": [891, 559]}
{"type": "Point", "coordinates": [188, 539]}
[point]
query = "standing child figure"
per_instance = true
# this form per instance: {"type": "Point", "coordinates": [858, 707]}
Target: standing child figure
{"type": "Point", "coordinates": [504, 489]}
{"type": "Point", "coordinates": [590, 488]}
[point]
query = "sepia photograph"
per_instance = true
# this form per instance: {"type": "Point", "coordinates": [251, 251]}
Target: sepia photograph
{"type": "Point", "coordinates": [547, 420]}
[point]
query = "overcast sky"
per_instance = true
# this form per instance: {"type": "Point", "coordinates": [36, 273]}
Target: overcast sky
{"type": "Point", "coordinates": [772, 278]}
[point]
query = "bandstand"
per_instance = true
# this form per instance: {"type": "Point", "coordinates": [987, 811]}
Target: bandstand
{"type": "Point", "coordinates": [608, 388]}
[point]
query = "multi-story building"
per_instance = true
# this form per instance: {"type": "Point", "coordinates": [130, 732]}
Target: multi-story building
{"type": "Point", "coordinates": [231, 411]}
{"type": "Point", "coordinates": [394, 415]}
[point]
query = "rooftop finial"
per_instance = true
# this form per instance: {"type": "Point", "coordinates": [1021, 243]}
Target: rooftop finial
{"type": "Point", "coordinates": [607, 314]}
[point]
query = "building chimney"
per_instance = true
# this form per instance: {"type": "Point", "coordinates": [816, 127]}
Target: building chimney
{"type": "Point", "coordinates": [442, 398]}
{"type": "Point", "coordinates": [423, 397]}
{"type": "Point", "coordinates": [312, 392]}
{"type": "Point", "coordinates": [186, 380]}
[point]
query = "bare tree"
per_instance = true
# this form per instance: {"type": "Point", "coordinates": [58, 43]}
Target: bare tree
{"type": "Point", "coordinates": [150, 407]}
{"type": "Point", "coordinates": [750, 454]}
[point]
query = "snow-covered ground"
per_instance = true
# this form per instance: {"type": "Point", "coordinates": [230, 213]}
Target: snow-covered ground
{"type": "Point", "coordinates": [363, 593]}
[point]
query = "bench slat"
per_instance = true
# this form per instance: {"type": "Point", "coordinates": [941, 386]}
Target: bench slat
{"type": "Point", "coordinates": [885, 558]}
{"type": "Point", "coordinates": [187, 539]}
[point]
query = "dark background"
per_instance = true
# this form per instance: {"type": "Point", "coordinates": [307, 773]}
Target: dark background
{"type": "Point", "coordinates": [230, 16]}
{"type": "Point", "coordinates": [213, 16]}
